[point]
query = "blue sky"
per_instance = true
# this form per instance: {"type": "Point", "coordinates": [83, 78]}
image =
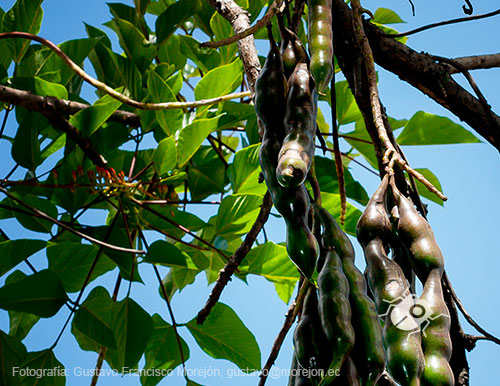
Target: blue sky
{"type": "Point", "coordinates": [466, 227]}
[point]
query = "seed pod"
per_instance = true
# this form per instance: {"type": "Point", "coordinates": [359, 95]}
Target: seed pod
{"type": "Point", "coordinates": [405, 360]}
{"type": "Point", "coordinates": [368, 353]}
{"type": "Point", "coordinates": [293, 204]}
{"type": "Point", "coordinates": [321, 42]}
{"type": "Point", "coordinates": [309, 338]}
{"type": "Point", "coordinates": [297, 150]}
{"type": "Point", "coordinates": [335, 313]}
{"type": "Point", "coordinates": [416, 234]}
{"type": "Point", "coordinates": [292, 50]}
{"type": "Point", "coordinates": [436, 340]}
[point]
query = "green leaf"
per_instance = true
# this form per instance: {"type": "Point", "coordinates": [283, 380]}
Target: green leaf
{"type": "Point", "coordinates": [205, 58]}
{"type": "Point", "coordinates": [40, 294]}
{"type": "Point", "coordinates": [219, 81]}
{"type": "Point", "coordinates": [192, 136]}
{"type": "Point", "coordinates": [165, 156]}
{"type": "Point", "coordinates": [13, 354]}
{"type": "Point", "coordinates": [134, 327]}
{"type": "Point", "coordinates": [223, 335]}
{"type": "Point", "coordinates": [236, 215]}
{"type": "Point", "coordinates": [20, 323]}
{"type": "Point", "coordinates": [271, 261]}
{"type": "Point", "coordinates": [92, 118]}
{"type": "Point", "coordinates": [347, 109]}
{"type": "Point", "coordinates": [361, 141]}
{"type": "Point", "coordinates": [25, 16]}
{"type": "Point", "coordinates": [161, 252]}
{"type": "Point", "coordinates": [44, 362]}
{"type": "Point", "coordinates": [169, 120]}
{"type": "Point", "coordinates": [186, 219]}
{"type": "Point", "coordinates": [174, 15]}
{"type": "Point", "coordinates": [428, 129]}
{"type": "Point", "coordinates": [141, 6]}
{"type": "Point", "coordinates": [72, 261]}
{"type": "Point", "coordinates": [168, 52]}
{"type": "Point", "coordinates": [162, 352]}
{"type": "Point", "coordinates": [331, 202]}
{"type": "Point", "coordinates": [326, 173]}
{"type": "Point", "coordinates": [244, 171]}
{"type": "Point", "coordinates": [423, 191]}
{"type": "Point", "coordinates": [386, 16]}
{"type": "Point", "coordinates": [136, 47]}
{"type": "Point", "coordinates": [26, 147]}
{"type": "Point", "coordinates": [15, 251]}
{"type": "Point", "coordinates": [222, 30]}
{"type": "Point", "coordinates": [94, 318]}
{"type": "Point", "coordinates": [32, 222]}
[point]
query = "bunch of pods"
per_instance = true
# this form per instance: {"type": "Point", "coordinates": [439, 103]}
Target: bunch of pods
{"type": "Point", "coordinates": [353, 329]}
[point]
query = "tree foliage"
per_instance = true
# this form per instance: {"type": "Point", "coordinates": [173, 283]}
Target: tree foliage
{"type": "Point", "coordinates": [143, 171]}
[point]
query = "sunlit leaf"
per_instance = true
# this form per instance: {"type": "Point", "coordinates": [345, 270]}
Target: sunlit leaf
{"type": "Point", "coordinates": [223, 335]}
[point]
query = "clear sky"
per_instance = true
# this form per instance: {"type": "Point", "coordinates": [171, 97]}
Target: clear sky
{"type": "Point", "coordinates": [466, 227]}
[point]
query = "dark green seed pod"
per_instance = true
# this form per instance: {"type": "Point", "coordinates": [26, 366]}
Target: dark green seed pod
{"type": "Point", "coordinates": [368, 353]}
{"type": "Point", "coordinates": [418, 237]}
{"type": "Point", "coordinates": [321, 42]}
{"type": "Point", "coordinates": [405, 359]}
{"type": "Point", "coordinates": [293, 204]}
{"type": "Point", "coordinates": [297, 150]}
{"type": "Point", "coordinates": [293, 51]}
{"type": "Point", "coordinates": [309, 339]}
{"type": "Point", "coordinates": [335, 313]}
{"type": "Point", "coordinates": [436, 341]}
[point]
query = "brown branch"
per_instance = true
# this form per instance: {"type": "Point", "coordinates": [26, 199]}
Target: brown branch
{"type": "Point", "coordinates": [376, 107]}
{"type": "Point", "coordinates": [290, 316]}
{"type": "Point", "coordinates": [476, 62]}
{"type": "Point", "coordinates": [240, 22]}
{"type": "Point", "coordinates": [38, 103]}
{"type": "Point", "coordinates": [271, 11]}
{"type": "Point", "coordinates": [111, 92]}
{"type": "Point", "coordinates": [434, 80]}
{"type": "Point", "coordinates": [235, 260]}
{"type": "Point", "coordinates": [298, 11]}
{"type": "Point", "coordinates": [446, 22]}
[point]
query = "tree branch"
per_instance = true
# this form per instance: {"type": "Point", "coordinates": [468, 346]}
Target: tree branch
{"type": "Point", "coordinates": [476, 62]}
{"type": "Point", "coordinates": [38, 103]}
{"type": "Point", "coordinates": [240, 22]}
{"type": "Point", "coordinates": [235, 260]}
{"type": "Point", "coordinates": [434, 80]}
{"type": "Point", "coordinates": [271, 11]}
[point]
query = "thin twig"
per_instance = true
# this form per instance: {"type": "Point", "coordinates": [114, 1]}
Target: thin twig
{"type": "Point", "coordinates": [235, 260]}
{"type": "Point", "coordinates": [391, 154]}
{"type": "Point", "coordinates": [289, 319]}
{"type": "Point", "coordinates": [222, 143]}
{"type": "Point", "coordinates": [218, 152]}
{"type": "Point", "coordinates": [113, 93]}
{"type": "Point", "coordinates": [353, 159]}
{"type": "Point", "coordinates": [103, 350]}
{"type": "Point", "coordinates": [174, 323]}
{"type": "Point", "coordinates": [177, 202]}
{"type": "Point", "coordinates": [181, 227]}
{"type": "Point", "coordinates": [467, 316]}
{"type": "Point", "coordinates": [446, 22]}
{"type": "Point", "coordinates": [336, 151]}
{"type": "Point", "coordinates": [86, 281]}
{"type": "Point", "coordinates": [4, 122]}
{"type": "Point", "coordinates": [298, 11]}
{"type": "Point", "coordinates": [68, 228]}
{"type": "Point", "coordinates": [271, 11]}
